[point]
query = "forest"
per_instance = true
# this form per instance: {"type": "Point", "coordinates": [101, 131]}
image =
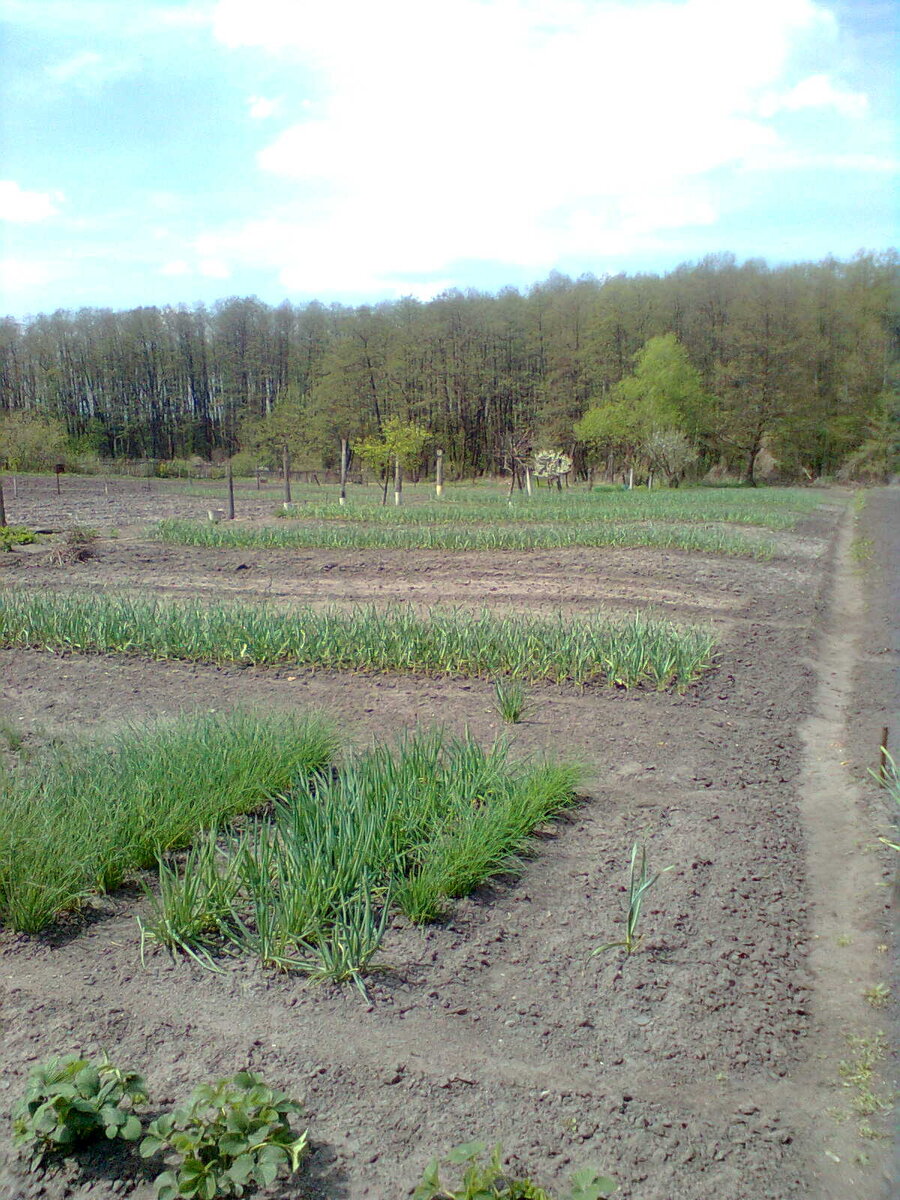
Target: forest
{"type": "Point", "coordinates": [706, 366]}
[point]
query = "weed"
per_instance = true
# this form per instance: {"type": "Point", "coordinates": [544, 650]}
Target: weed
{"type": "Point", "coordinates": [639, 883]}
{"type": "Point", "coordinates": [70, 1101]}
{"type": "Point", "coordinates": [485, 1179]}
{"type": "Point", "coordinates": [77, 546]}
{"type": "Point", "coordinates": [510, 699]}
{"type": "Point", "coordinates": [859, 1073]}
{"type": "Point", "coordinates": [878, 995]}
{"type": "Point", "coordinates": [12, 735]}
{"type": "Point", "coordinates": [231, 1134]}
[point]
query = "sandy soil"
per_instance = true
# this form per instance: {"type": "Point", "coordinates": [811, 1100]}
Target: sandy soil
{"type": "Point", "coordinates": [701, 1067]}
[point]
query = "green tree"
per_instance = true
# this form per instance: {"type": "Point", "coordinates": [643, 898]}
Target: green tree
{"type": "Point", "coordinates": [400, 443]}
{"type": "Point", "coordinates": [31, 442]}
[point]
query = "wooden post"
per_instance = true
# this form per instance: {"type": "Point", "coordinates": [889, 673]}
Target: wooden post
{"type": "Point", "coordinates": [286, 467]}
{"type": "Point", "coordinates": [528, 480]}
{"type": "Point", "coordinates": [257, 477]}
{"type": "Point", "coordinates": [398, 482]}
{"type": "Point", "coordinates": [630, 478]}
{"type": "Point", "coordinates": [650, 482]}
{"type": "Point", "coordinates": [230, 476]}
{"type": "Point", "coordinates": [512, 481]}
{"type": "Point", "coordinates": [590, 479]}
{"type": "Point", "coordinates": [2, 505]}
{"type": "Point", "coordinates": [883, 757]}
{"type": "Point", "coordinates": [439, 474]}
{"type": "Point", "coordinates": [344, 457]}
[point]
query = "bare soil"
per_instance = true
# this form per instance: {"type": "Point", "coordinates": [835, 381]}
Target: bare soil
{"type": "Point", "coordinates": [703, 1066]}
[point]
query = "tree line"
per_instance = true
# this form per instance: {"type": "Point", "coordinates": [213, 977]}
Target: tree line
{"type": "Point", "coordinates": [731, 357]}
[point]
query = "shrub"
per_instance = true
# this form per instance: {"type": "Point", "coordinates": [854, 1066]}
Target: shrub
{"type": "Point", "coordinates": [71, 1100]}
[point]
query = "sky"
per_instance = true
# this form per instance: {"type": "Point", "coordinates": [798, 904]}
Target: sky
{"type": "Point", "coordinates": [353, 151]}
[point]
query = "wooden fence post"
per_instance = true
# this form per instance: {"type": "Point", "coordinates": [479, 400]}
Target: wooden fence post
{"type": "Point", "coordinates": [286, 467]}
{"type": "Point", "coordinates": [230, 476]}
{"type": "Point", "coordinates": [439, 474]}
{"type": "Point", "coordinates": [344, 456]}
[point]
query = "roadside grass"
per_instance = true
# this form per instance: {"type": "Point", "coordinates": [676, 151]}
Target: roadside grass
{"type": "Point", "coordinates": [310, 888]}
{"type": "Point", "coordinates": [77, 820]}
{"type": "Point", "coordinates": [622, 651]}
{"type": "Point", "coordinates": [333, 535]}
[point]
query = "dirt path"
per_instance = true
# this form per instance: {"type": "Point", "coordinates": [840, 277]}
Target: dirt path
{"type": "Point", "coordinates": [849, 888]}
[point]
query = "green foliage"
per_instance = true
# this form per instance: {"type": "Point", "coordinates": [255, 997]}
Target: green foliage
{"type": "Point", "coordinates": [622, 651]}
{"type": "Point", "coordinates": [285, 425]}
{"type": "Point", "coordinates": [639, 883]}
{"type": "Point", "coordinates": [82, 817]}
{"type": "Point", "coordinates": [310, 888]}
{"type": "Point", "coordinates": [232, 1134]}
{"type": "Point", "coordinates": [31, 442]}
{"type": "Point", "coordinates": [510, 697]}
{"type": "Point", "coordinates": [71, 1100]}
{"type": "Point", "coordinates": [485, 1179]}
{"type": "Point", "coordinates": [649, 410]}
{"type": "Point", "coordinates": [398, 440]}
{"type": "Point", "coordinates": [517, 535]}
{"type": "Point", "coordinates": [15, 535]}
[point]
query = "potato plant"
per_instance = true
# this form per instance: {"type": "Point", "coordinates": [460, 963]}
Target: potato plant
{"type": "Point", "coordinates": [71, 1100]}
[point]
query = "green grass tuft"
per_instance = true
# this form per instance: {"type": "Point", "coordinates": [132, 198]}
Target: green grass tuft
{"type": "Point", "coordinates": [79, 820]}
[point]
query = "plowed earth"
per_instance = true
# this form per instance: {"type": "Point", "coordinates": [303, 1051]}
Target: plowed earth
{"type": "Point", "coordinates": [702, 1067]}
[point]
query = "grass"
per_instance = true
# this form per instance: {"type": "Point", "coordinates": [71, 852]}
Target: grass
{"type": "Point", "coordinates": [79, 820]}
{"type": "Point", "coordinates": [310, 888]}
{"type": "Point", "coordinates": [860, 1072]}
{"type": "Point", "coordinates": [625, 651]}
{"type": "Point", "coordinates": [334, 535]}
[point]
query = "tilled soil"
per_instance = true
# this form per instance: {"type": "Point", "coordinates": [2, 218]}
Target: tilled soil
{"type": "Point", "coordinates": [699, 1067]}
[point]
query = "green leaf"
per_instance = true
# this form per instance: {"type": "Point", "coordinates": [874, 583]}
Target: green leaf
{"type": "Point", "coordinates": [131, 1130]}
{"type": "Point", "coordinates": [241, 1169]}
{"type": "Point", "coordinates": [466, 1152]}
{"type": "Point", "coordinates": [166, 1185]}
{"type": "Point", "coordinates": [588, 1185]}
{"type": "Point", "coordinates": [150, 1145]}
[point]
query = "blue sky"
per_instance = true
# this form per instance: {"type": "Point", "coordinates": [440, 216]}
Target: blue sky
{"type": "Point", "coordinates": [174, 151]}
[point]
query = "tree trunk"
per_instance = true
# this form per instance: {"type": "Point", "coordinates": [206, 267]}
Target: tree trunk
{"type": "Point", "coordinates": [230, 474]}
{"type": "Point", "coordinates": [398, 482]}
{"type": "Point", "coordinates": [2, 504]}
{"type": "Point", "coordinates": [343, 470]}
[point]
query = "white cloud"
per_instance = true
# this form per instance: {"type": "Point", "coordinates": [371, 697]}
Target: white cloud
{"type": "Point", "coordinates": [19, 275]}
{"type": "Point", "coordinates": [261, 107]}
{"type": "Point", "coordinates": [512, 130]}
{"type": "Point", "coordinates": [816, 92]}
{"type": "Point", "coordinates": [214, 268]}
{"type": "Point", "coordinates": [175, 268]}
{"type": "Point", "coordinates": [20, 205]}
